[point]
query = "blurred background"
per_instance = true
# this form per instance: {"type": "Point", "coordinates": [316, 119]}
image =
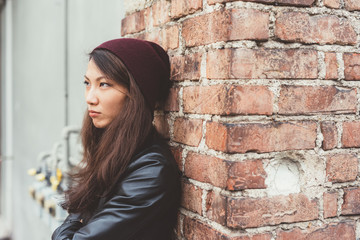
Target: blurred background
{"type": "Point", "coordinates": [44, 47]}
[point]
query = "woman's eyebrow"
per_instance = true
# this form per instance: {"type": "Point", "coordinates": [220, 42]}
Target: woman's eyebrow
{"type": "Point", "coordinates": [97, 79]}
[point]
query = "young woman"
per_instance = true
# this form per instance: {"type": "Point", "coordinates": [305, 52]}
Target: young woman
{"type": "Point", "coordinates": [127, 186]}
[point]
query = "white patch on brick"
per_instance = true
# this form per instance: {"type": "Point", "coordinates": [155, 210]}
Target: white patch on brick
{"type": "Point", "coordinates": [283, 177]}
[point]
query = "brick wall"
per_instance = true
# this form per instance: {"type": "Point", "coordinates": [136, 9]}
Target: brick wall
{"type": "Point", "coordinates": [263, 117]}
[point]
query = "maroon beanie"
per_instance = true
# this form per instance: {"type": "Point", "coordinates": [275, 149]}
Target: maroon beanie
{"type": "Point", "coordinates": [147, 62]}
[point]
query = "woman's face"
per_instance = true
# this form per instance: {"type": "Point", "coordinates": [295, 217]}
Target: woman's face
{"type": "Point", "coordinates": [104, 97]}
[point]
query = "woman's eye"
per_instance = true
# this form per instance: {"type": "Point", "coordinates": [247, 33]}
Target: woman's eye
{"type": "Point", "coordinates": [103, 84]}
{"type": "Point", "coordinates": [86, 83]}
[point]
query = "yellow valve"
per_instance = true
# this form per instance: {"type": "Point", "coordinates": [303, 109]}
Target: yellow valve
{"type": "Point", "coordinates": [54, 183]}
{"type": "Point", "coordinates": [32, 171]}
{"type": "Point", "coordinates": [58, 174]}
{"type": "Point", "coordinates": [40, 177]}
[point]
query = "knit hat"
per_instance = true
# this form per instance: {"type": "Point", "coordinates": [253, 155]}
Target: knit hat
{"type": "Point", "coordinates": [147, 62]}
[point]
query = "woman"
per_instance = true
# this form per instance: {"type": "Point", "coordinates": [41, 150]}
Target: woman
{"type": "Point", "coordinates": [128, 184]}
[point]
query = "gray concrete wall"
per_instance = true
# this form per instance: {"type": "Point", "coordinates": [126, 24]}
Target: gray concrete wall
{"type": "Point", "coordinates": [44, 72]}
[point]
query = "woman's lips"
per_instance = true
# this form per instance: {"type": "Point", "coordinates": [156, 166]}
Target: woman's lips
{"type": "Point", "coordinates": [93, 113]}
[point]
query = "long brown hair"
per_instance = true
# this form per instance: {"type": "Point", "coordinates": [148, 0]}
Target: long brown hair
{"type": "Point", "coordinates": [108, 151]}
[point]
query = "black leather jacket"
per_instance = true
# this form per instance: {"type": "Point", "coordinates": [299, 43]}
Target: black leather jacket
{"type": "Point", "coordinates": [144, 206]}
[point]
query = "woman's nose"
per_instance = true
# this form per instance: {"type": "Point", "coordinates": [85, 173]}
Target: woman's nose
{"type": "Point", "coordinates": [91, 97]}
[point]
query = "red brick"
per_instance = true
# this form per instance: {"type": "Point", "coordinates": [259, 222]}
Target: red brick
{"type": "Point", "coordinates": [195, 230]}
{"type": "Point", "coordinates": [186, 67]}
{"type": "Point", "coordinates": [162, 126]}
{"type": "Point", "coordinates": [188, 131]}
{"type": "Point", "coordinates": [262, 63]}
{"type": "Point", "coordinates": [352, 5]}
{"type": "Point", "coordinates": [245, 175]}
{"type": "Point", "coordinates": [216, 135]}
{"type": "Point", "coordinates": [191, 197]}
{"type": "Point", "coordinates": [261, 137]}
{"type": "Point", "coordinates": [263, 236]}
{"type": "Point", "coordinates": [331, 66]}
{"type": "Point", "coordinates": [206, 169]}
{"type": "Point", "coordinates": [342, 230]}
{"type": "Point", "coordinates": [257, 212]}
{"type": "Point", "coordinates": [133, 23]}
{"type": "Point", "coordinates": [249, 24]}
{"type": "Point", "coordinates": [351, 133]}
{"type": "Point", "coordinates": [167, 37]}
{"type": "Point", "coordinates": [160, 12]}
{"type": "Point", "coordinates": [352, 66]}
{"type": "Point", "coordinates": [351, 205]}
{"type": "Point", "coordinates": [147, 18]}
{"type": "Point", "coordinates": [170, 37]}
{"type": "Point", "coordinates": [172, 102]}
{"type": "Point", "coordinates": [332, 3]}
{"type": "Point", "coordinates": [323, 29]}
{"type": "Point", "coordinates": [216, 207]}
{"type": "Point", "coordinates": [341, 167]}
{"type": "Point", "coordinates": [177, 153]}
{"type": "Point", "coordinates": [330, 204]}
{"type": "Point", "coordinates": [154, 35]}
{"type": "Point", "coordinates": [211, 2]}
{"type": "Point", "coordinates": [227, 99]}
{"type": "Point", "coordinates": [282, 2]}
{"type": "Point", "coordinates": [316, 99]}
{"type": "Point", "coordinates": [181, 8]}
{"type": "Point", "coordinates": [329, 132]}
{"type": "Point", "coordinates": [225, 25]}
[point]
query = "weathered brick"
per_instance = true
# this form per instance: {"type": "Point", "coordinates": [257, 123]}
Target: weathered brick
{"type": "Point", "coordinates": [351, 205]}
{"type": "Point", "coordinates": [172, 102]}
{"type": "Point", "coordinates": [257, 212]}
{"type": "Point", "coordinates": [191, 197]}
{"type": "Point", "coordinates": [316, 99]}
{"type": "Point", "coordinates": [167, 37]}
{"type": "Point", "coordinates": [352, 66]}
{"type": "Point", "coordinates": [323, 29]}
{"type": "Point", "coordinates": [330, 134]}
{"type": "Point", "coordinates": [352, 5]}
{"type": "Point", "coordinates": [186, 67]}
{"type": "Point", "coordinates": [216, 135]}
{"type": "Point", "coordinates": [261, 236]}
{"type": "Point", "coordinates": [227, 99]}
{"type": "Point", "coordinates": [262, 63]}
{"type": "Point", "coordinates": [162, 126]}
{"type": "Point", "coordinates": [331, 66]}
{"type": "Point", "coordinates": [246, 175]}
{"type": "Point", "coordinates": [351, 133]}
{"type": "Point", "coordinates": [195, 230]}
{"type": "Point", "coordinates": [181, 8]}
{"type": "Point", "coordinates": [216, 207]}
{"type": "Point", "coordinates": [154, 35]}
{"type": "Point", "coordinates": [282, 2]}
{"type": "Point", "coordinates": [332, 3]}
{"type": "Point", "coordinates": [133, 23]}
{"type": "Point", "coordinates": [188, 131]}
{"type": "Point", "coordinates": [206, 169]}
{"type": "Point", "coordinates": [342, 230]}
{"type": "Point", "coordinates": [341, 167]}
{"type": "Point", "coordinates": [330, 204]}
{"type": "Point", "coordinates": [160, 12]}
{"type": "Point", "coordinates": [261, 137]}
{"type": "Point", "coordinates": [249, 24]}
{"type": "Point", "coordinates": [205, 29]}
{"type": "Point", "coordinates": [177, 153]}
{"type": "Point", "coordinates": [170, 37]}
{"type": "Point", "coordinates": [226, 25]}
